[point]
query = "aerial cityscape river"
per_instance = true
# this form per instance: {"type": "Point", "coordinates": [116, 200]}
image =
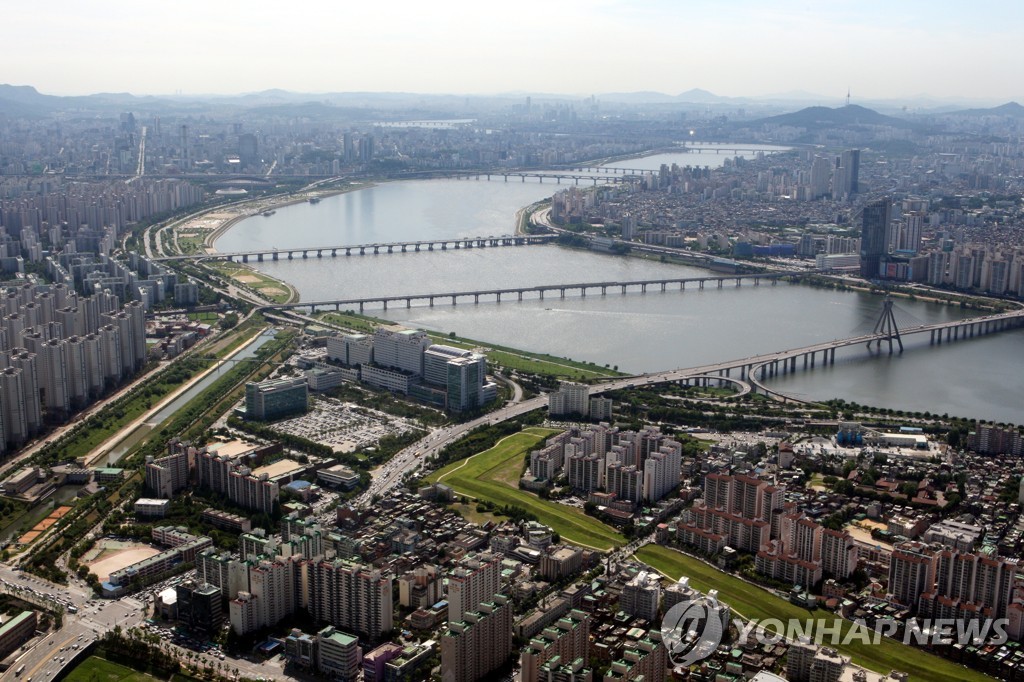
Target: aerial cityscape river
{"type": "Point", "coordinates": [637, 333]}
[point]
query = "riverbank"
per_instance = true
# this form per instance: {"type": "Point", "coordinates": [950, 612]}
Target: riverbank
{"type": "Point", "coordinates": [502, 356]}
{"type": "Point", "coordinates": [123, 434]}
{"type": "Point", "coordinates": [260, 204]}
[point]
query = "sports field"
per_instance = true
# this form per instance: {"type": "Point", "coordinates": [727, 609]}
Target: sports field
{"type": "Point", "coordinates": [43, 525]}
{"type": "Point", "coordinates": [751, 602]}
{"type": "Point", "coordinates": [113, 555]}
{"type": "Point", "coordinates": [494, 475]}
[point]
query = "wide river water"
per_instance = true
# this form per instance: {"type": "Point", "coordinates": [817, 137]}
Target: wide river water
{"type": "Point", "coordinates": [637, 332]}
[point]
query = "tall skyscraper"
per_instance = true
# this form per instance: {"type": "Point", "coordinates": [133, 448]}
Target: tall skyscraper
{"type": "Point", "coordinates": [850, 162]}
{"type": "Point", "coordinates": [874, 237]}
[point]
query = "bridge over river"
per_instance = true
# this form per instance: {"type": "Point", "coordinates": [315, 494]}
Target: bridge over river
{"type": "Point", "coordinates": [496, 295]}
{"type": "Point", "coordinates": [306, 252]}
{"type": "Point", "coordinates": [757, 369]}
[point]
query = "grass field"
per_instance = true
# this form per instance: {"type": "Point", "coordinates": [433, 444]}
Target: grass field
{"type": "Point", "coordinates": [266, 286]}
{"type": "Point", "coordinates": [96, 669]}
{"type": "Point", "coordinates": [752, 602]}
{"type": "Point", "coordinates": [494, 475]}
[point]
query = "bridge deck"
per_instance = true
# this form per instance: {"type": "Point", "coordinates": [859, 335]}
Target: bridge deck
{"type": "Point", "coordinates": [470, 242]}
{"type": "Point", "coordinates": [643, 283]}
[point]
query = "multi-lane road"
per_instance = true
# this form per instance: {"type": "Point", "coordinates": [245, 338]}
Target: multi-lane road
{"type": "Point", "coordinates": [45, 657]}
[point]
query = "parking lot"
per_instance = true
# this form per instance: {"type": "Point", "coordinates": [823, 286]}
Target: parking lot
{"type": "Point", "coordinates": [343, 426]}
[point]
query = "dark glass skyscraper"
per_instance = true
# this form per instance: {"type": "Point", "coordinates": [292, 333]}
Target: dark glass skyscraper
{"type": "Point", "coordinates": [874, 237]}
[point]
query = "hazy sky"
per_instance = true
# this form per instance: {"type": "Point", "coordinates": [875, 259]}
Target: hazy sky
{"type": "Point", "coordinates": [879, 49]}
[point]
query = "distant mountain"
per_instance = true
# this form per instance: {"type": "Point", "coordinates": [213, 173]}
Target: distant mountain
{"type": "Point", "coordinates": [693, 96]}
{"type": "Point", "coordinates": [840, 117]}
{"type": "Point", "coordinates": [1011, 109]}
{"type": "Point", "coordinates": [25, 101]}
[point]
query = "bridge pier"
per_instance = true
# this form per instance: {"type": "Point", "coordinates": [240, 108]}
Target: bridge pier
{"type": "Point", "coordinates": [792, 364]}
{"type": "Point", "coordinates": [623, 289]}
{"type": "Point", "coordinates": [604, 290]}
{"type": "Point", "coordinates": [562, 292]}
{"type": "Point", "coordinates": [431, 301]}
{"type": "Point", "coordinates": [701, 284]}
{"type": "Point", "coordinates": [334, 253]}
{"type": "Point", "coordinates": [453, 300]}
{"type": "Point", "coordinates": [408, 303]}
{"type": "Point", "coordinates": [290, 256]}
{"type": "Point", "coordinates": [663, 287]}
{"type": "Point", "coordinates": [643, 288]}
{"type": "Point", "coordinates": [542, 294]}
{"type": "Point", "coordinates": [319, 253]}
{"type": "Point", "coordinates": [738, 280]}
{"type": "Point", "coordinates": [360, 306]}
{"type": "Point", "coordinates": [520, 292]}
{"type": "Point", "coordinates": [476, 298]}
{"type": "Point", "coordinates": [259, 257]}
{"type": "Point", "coordinates": [720, 283]}
{"type": "Point", "coordinates": [245, 258]}
{"type": "Point", "coordinates": [385, 304]}
{"type": "Point", "coordinates": [305, 255]}
{"type": "Point", "coordinates": [832, 357]}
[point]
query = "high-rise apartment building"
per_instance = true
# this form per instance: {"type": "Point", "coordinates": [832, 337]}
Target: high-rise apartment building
{"type": "Point", "coordinates": [565, 641]}
{"type": "Point", "coordinates": [351, 596]}
{"type": "Point", "coordinates": [641, 595]}
{"type": "Point", "coordinates": [570, 398]}
{"type": "Point", "coordinates": [478, 643]}
{"type": "Point", "coordinates": [476, 579]}
{"type": "Point", "coordinates": [167, 475]}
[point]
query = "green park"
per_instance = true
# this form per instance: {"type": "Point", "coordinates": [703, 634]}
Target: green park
{"type": "Point", "coordinates": [493, 476]}
{"type": "Point", "coordinates": [749, 601]}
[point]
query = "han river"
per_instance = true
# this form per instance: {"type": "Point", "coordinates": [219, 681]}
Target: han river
{"type": "Point", "coordinates": [637, 332]}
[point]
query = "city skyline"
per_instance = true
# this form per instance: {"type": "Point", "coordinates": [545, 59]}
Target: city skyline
{"type": "Point", "coordinates": [874, 50]}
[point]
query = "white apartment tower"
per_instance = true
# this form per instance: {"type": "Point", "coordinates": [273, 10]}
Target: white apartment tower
{"type": "Point", "coordinates": [475, 580]}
